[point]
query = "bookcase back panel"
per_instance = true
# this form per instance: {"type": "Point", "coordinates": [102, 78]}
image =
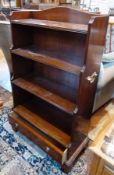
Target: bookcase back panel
{"type": "Point", "coordinates": [57, 81]}
{"type": "Point", "coordinates": [20, 96]}
{"type": "Point", "coordinates": [37, 106]}
{"type": "Point", "coordinates": [22, 36]}
{"type": "Point", "coordinates": [51, 114]}
{"type": "Point", "coordinates": [21, 66]}
{"type": "Point", "coordinates": [63, 45]}
{"type": "Point", "coordinates": [60, 82]}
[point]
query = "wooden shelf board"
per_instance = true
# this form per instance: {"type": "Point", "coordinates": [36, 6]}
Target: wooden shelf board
{"type": "Point", "coordinates": [31, 85]}
{"type": "Point", "coordinates": [44, 58]}
{"type": "Point", "coordinates": [37, 106]}
{"type": "Point", "coordinates": [43, 125]}
{"type": "Point", "coordinates": [64, 26]}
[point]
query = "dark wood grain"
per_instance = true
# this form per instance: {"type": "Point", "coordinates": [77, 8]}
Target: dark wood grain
{"type": "Point", "coordinates": [31, 86]}
{"type": "Point", "coordinates": [64, 14]}
{"type": "Point", "coordinates": [76, 149]}
{"type": "Point", "coordinates": [37, 106]}
{"type": "Point", "coordinates": [71, 27]}
{"type": "Point", "coordinates": [19, 15]}
{"type": "Point", "coordinates": [93, 59]}
{"type": "Point", "coordinates": [24, 32]}
{"type": "Point", "coordinates": [36, 137]}
{"type": "Point", "coordinates": [42, 57]}
{"type": "Point", "coordinates": [54, 55]}
{"type": "Point", "coordinates": [43, 125]}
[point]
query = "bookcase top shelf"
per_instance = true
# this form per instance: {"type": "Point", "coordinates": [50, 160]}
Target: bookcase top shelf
{"type": "Point", "coordinates": [64, 26]}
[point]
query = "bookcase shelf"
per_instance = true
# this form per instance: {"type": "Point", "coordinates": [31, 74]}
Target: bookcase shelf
{"type": "Point", "coordinates": [43, 125]}
{"type": "Point", "coordinates": [56, 25]}
{"type": "Point", "coordinates": [56, 57]}
{"type": "Point", "coordinates": [44, 57]}
{"type": "Point", "coordinates": [30, 84]}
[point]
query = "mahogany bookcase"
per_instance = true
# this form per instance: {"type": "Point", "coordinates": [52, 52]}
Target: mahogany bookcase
{"type": "Point", "coordinates": [56, 57]}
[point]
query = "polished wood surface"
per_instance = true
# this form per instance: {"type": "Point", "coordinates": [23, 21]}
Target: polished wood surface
{"type": "Point", "coordinates": [102, 124]}
{"type": "Point", "coordinates": [31, 85]}
{"type": "Point", "coordinates": [19, 15]}
{"type": "Point", "coordinates": [32, 134]}
{"type": "Point", "coordinates": [79, 28]}
{"type": "Point", "coordinates": [43, 125]}
{"type": "Point", "coordinates": [94, 51]}
{"type": "Point", "coordinates": [42, 57]}
{"type": "Point", "coordinates": [62, 14]}
{"type": "Point", "coordinates": [100, 167]}
{"type": "Point", "coordinates": [55, 53]}
{"type": "Point", "coordinates": [94, 165]}
{"type": "Point", "coordinates": [108, 171]}
{"type": "Point", "coordinates": [80, 50]}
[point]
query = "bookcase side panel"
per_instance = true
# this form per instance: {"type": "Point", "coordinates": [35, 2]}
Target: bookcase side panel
{"type": "Point", "coordinates": [93, 59]}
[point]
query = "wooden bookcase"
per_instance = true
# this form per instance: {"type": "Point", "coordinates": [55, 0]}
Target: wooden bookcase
{"type": "Point", "coordinates": [56, 57]}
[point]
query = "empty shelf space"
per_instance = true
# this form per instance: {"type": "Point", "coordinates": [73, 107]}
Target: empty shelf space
{"type": "Point", "coordinates": [64, 26]}
{"type": "Point", "coordinates": [31, 85]}
{"type": "Point", "coordinates": [43, 125]}
{"type": "Point", "coordinates": [46, 58]}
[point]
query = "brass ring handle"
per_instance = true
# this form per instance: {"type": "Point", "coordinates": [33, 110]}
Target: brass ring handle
{"type": "Point", "coordinates": [92, 77]}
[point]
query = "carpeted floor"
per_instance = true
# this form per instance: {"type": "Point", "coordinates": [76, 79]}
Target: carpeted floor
{"type": "Point", "coordinates": [19, 156]}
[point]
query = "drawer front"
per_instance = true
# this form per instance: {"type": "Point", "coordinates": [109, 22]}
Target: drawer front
{"type": "Point", "coordinates": [108, 170]}
{"type": "Point", "coordinates": [40, 140]}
